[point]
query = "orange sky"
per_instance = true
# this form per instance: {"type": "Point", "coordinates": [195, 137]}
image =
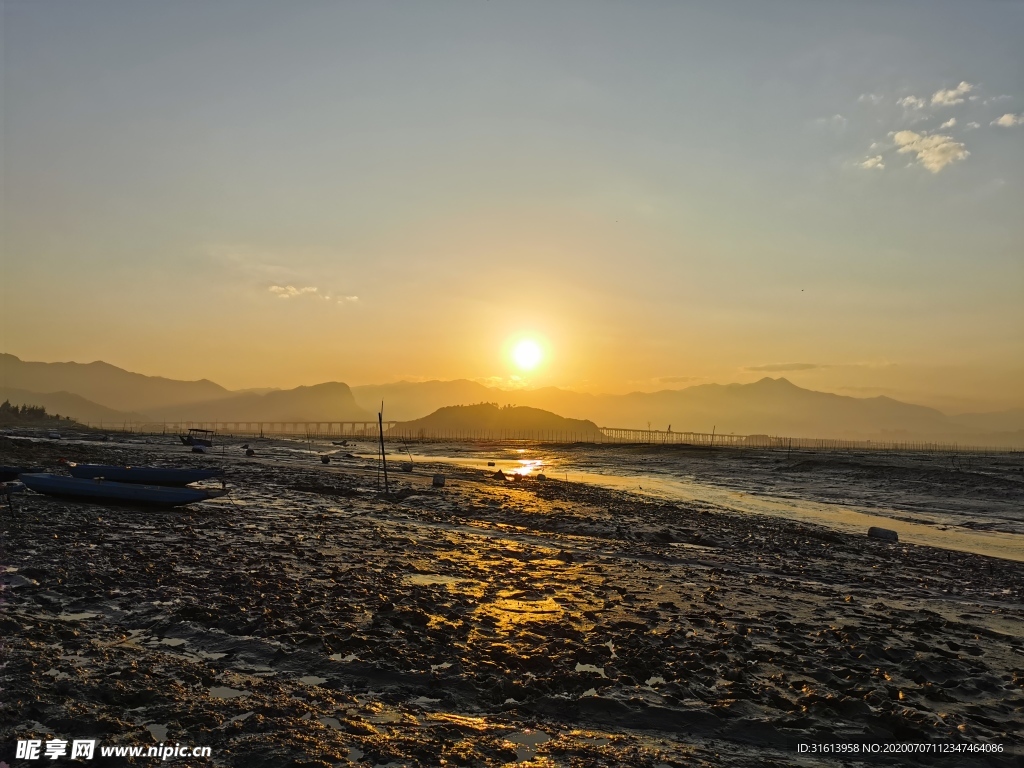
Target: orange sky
{"type": "Point", "coordinates": [660, 197]}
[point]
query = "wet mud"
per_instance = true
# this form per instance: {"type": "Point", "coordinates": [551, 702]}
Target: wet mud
{"type": "Point", "coordinates": [310, 619]}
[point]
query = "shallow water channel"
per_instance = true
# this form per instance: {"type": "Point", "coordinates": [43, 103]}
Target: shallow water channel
{"type": "Point", "coordinates": [930, 531]}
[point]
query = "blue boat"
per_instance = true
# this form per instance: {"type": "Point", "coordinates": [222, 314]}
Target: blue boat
{"type": "Point", "coordinates": [123, 493]}
{"type": "Point", "coordinates": [144, 475]}
{"type": "Point", "coordinates": [8, 473]}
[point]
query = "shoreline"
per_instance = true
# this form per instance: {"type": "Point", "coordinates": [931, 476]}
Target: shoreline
{"type": "Point", "coordinates": [484, 623]}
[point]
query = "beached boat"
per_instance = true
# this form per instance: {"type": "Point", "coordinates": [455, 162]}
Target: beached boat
{"type": "Point", "coordinates": [195, 436]}
{"type": "Point", "coordinates": [144, 475]}
{"type": "Point", "coordinates": [8, 473]}
{"type": "Point", "coordinates": [124, 493]}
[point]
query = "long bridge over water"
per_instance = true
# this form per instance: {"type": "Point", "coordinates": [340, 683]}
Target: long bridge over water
{"type": "Point", "coordinates": [394, 430]}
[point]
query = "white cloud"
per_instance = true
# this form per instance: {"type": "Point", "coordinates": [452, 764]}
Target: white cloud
{"type": "Point", "coordinates": [348, 299]}
{"type": "Point", "coordinates": [290, 291]}
{"type": "Point", "coordinates": [950, 96]}
{"type": "Point", "coordinates": [1008, 120]}
{"type": "Point", "coordinates": [870, 98]}
{"type": "Point", "coordinates": [948, 124]}
{"type": "Point", "coordinates": [874, 162]}
{"type": "Point", "coordinates": [934, 152]}
{"type": "Point", "coordinates": [973, 125]}
{"type": "Point", "coordinates": [911, 102]}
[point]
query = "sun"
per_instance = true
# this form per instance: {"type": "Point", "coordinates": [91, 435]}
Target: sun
{"type": "Point", "coordinates": [527, 354]}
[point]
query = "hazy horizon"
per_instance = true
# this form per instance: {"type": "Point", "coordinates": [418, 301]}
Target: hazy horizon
{"type": "Point", "coordinates": [511, 391]}
{"type": "Point", "coordinates": [657, 195]}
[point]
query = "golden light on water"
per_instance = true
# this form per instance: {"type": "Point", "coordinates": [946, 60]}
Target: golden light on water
{"type": "Point", "coordinates": [527, 354]}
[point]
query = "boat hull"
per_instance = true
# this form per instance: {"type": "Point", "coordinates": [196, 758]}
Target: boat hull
{"type": "Point", "coordinates": [119, 493]}
{"type": "Point", "coordinates": [190, 440]}
{"type": "Point", "coordinates": [170, 476]}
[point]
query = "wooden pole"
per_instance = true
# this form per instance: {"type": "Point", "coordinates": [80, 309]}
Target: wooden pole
{"type": "Point", "coordinates": [383, 456]}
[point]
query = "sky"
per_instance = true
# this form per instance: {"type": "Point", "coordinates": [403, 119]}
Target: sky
{"type": "Point", "coordinates": [657, 194]}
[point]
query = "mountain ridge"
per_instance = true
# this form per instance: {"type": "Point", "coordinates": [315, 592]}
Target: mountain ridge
{"type": "Point", "coordinates": [769, 405]}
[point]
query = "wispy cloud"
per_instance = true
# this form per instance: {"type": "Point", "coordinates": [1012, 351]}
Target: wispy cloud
{"type": "Point", "coordinates": [951, 96]}
{"type": "Point", "coordinates": [348, 299]}
{"type": "Point", "coordinates": [870, 98]}
{"type": "Point", "coordinates": [972, 125]}
{"type": "Point", "coordinates": [1008, 120]}
{"type": "Point", "coordinates": [911, 102]}
{"type": "Point", "coordinates": [290, 291]}
{"type": "Point", "coordinates": [776, 367]}
{"type": "Point", "coordinates": [948, 124]}
{"type": "Point", "coordinates": [875, 162]}
{"type": "Point", "coordinates": [934, 152]}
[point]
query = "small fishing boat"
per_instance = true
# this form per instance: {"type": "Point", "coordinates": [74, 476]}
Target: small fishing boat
{"type": "Point", "coordinates": [124, 493]}
{"type": "Point", "coordinates": [195, 436]}
{"type": "Point", "coordinates": [8, 473]}
{"type": "Point", "coordinates": [144, 475]}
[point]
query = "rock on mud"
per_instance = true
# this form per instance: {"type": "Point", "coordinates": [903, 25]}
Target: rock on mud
{"type": "Point", "coordinates": [885, 534]}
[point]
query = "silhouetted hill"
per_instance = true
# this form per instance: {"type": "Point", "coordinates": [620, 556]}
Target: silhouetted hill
{"type": "Point", "coordinates": [496, 421]}
{"type": "Point", "coordinates": [105, 384]}
{"type": "Point", "coordinates": [332, 401]}
{"type": "Point", "coordinates": [67, 404]}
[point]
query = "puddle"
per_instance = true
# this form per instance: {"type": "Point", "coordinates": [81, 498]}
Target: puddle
{"type": "Point", "coordinates": [590, 668]}
{"type": "Point", "coordinates": [430, 579]}
{"type": "Point", "coordinates": [346, 659]}
{"type": "Point", "coordinates": [312, 680]}
{"type": "Point", "coordinates": [158, 731]}
{"type": "Point", "coordinates": [223, 692]}
{"type": "Point", "coordinates": [527, 743]}
{"type": "Point", "coordinates": [174, 642]}
{"type": "Point", "coordinates": [83, 616]}
{"type": "Point", "coordinates": [331, 722]}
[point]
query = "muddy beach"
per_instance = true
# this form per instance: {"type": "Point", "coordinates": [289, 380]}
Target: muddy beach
{"type": "Point", "coordinates": [307, 619]}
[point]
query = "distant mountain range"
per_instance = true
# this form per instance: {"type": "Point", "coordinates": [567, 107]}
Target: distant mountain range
{"type": "Point", "coordinates": [67, 404]}
{"type": "Point", "coordinates": [98, 391]}
{"type": "Point", "coordinates": [332, 401]}
{"type": "Point", "coordinates": [106, 384]}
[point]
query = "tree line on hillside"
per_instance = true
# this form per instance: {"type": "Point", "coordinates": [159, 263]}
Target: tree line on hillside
{"type": "Point", "coordinates": [26, 414]}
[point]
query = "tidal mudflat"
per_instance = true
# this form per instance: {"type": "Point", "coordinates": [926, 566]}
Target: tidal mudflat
{"type": "Point", "coordinates": [307, 619]}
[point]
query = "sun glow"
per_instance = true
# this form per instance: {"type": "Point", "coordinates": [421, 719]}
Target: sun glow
{"type": "Point", "coordinates": [527, 354]}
